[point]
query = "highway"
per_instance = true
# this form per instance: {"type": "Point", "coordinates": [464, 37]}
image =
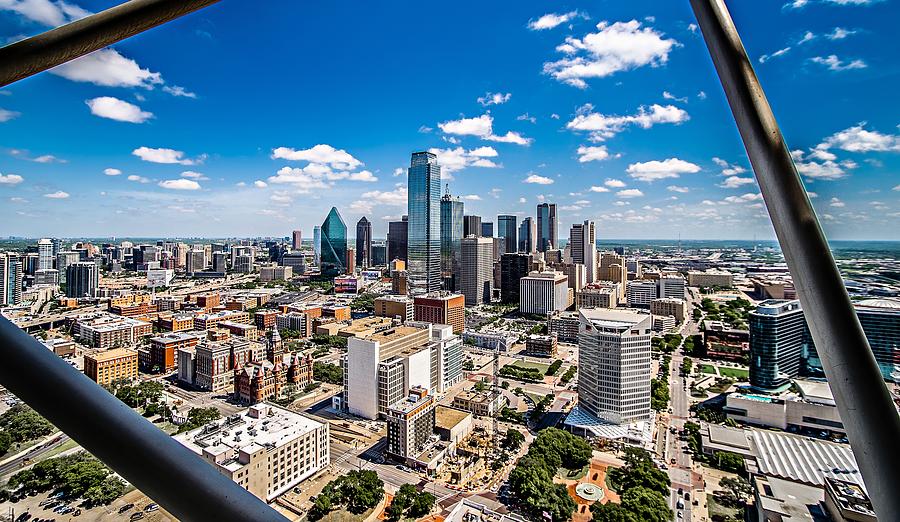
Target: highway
{"type": "Point", "coordinates": [34, 452]}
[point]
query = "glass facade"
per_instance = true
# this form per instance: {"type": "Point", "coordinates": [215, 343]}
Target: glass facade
{"type": "Point", "coordinates": [333, 244]}
{"type": "Point", "coordinates": [547, 228]}
{"type": "Point", "coordinates": [506, 228]}
{"type": "Point", "coordinates": [777, 343]}
{"type": "Point", "coordinates": [364, 243]}
{"type": "Point", "coordinates": [424, 237]}
{"type": "Point", "coordinates": [397, 239]}
{"type": "Point", "coordinates": [317, 245]}
{"type": "Point", "coordinates": [451, 235]}
{"type": "Point", "coordinates": [527, 233]}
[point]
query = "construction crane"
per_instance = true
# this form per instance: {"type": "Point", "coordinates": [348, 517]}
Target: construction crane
{"type": "Point", "coordinates": [495, 396]}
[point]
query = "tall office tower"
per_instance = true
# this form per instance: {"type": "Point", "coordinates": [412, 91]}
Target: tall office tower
{"type": "Point", "coordinates": [379, 255]}
{"type": "Point", "coordinates": [777, 342]}
{"type": "Point", "coordinates": [10, 279]}
{"type": "Point", "coordinates": [614, 364]}
{"type": "Point", "coordinates": [424, 261]}
{"type": "Point", "coordinates": [513, 267]}
{"type": "Point", "coordinates": [547, 227]}
{"type": "Point", "coordinates": [506, 228]}
{"type": "Point", "coordinates": [527, 235]}
{"type": "Point", "coordinates": [477, 269]}
{"type": "Point", "coordinates": [45, 254]}
{"type": "Point", "coordinates": [181, 251]}
{"type": "Point", "coordinates": [608, 259]}
{"type": "Point", "coordinates": [350, 264]}
{"type": "Point", "coordinates": [334, 244]}
{"type": "Point", "coordinates": [57, 246]}
{"type": "Point", "coordinates": [398, 239]}
{"type": "Point", "coordinates": [583, 242]}
{"type": "Point", "coordinates": [296, 240]}
{"type": "Point", "coordinates": [82, 279]}
{"type": "Point", "coordinates": [196, 261]}
{"type": "Point", "coordinates": [451, 235]}
{"type": "Point", "coordinates": [543, 292]}
{"type": "Point", "coordinates": [487, 229]}
{"type": "Point", "coordinates": [471, 226]}
{"type": "Point", "coordinates": [220, 262]}
{"type": "Point", "coordinates": [317, 245]}
{"type": "Point", "coordinates": [364, 243]}
{"type": "Point", "coordinates": [64, 259]}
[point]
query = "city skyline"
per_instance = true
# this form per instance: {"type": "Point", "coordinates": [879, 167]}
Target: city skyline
{"type": "Point", "coordinates": [516, 126]}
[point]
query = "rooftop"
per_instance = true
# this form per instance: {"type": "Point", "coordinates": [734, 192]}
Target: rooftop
{"type": "Point", "coordinates": [447, 417]}
{"type": "Point", "coordinates": [109, 355]}
{"type": "Point", "coordinates": [613, 318]}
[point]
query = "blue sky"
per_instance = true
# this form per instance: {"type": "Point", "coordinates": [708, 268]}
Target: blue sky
{"type": "Point", "coordinates": [248, 120]}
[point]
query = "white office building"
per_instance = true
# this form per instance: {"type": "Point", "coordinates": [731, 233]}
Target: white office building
{"type": "Point", "coordinates": [671, 286]}
{"type": "Point", "coordinates": [543, 292]}
{"type": "Point", "coordinates": [640, 293]}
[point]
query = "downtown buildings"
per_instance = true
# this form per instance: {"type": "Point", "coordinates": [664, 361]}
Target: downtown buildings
{"type": "Point", "coordinates": [11, 272]}
{"type": "Point", "coordinates": [424, 235]}
{"type": "Point", "coordinates": [451, 238]}
{"type": "Point", "coordinates": [364, 243]}
{"type": "Point", "coordinates": [333, 244]}
{"type": "Point", "coordinates": [777, 339]}
{"type": "Point", "coordinates": [547, 227]}
{"type": "Point", "coordinates": [477, 276]}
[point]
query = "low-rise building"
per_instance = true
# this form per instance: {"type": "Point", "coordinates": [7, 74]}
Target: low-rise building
{"type": "Point", "coordinates": [211, 320]}
{"type": "Point", "coordinates": [491, 339]}
{"type": "Point", "coordinates": [163, 349]}
{"type": "Point", "coordinates": [275, 273]}
{"type": "Point", "coordinates": [667, 306]}
{"type": "Point", "coordinates": [441, 308]}
{"type": "Point", "coordinates": [711, 278]}
{"type": "Point", "coordinates": [215, 362]}
{"type": "Point", "coordinates": [247, 331]}
{"type": "Point", "coordinates": [117, 364]}
{"type": "Point", "coordinates": [110, 331]}
{"type": "Point", "coordinates": [478, 403]}
{"type": "Point", "coordinates": [395, 306]}
{"type": "Point", "coordinates": [564, 325]}
{"type": "Point", "coordinates": [175, 322]}
{"type": "Point", "coordinates": [543, 292]}
{"type": "Point", "coordinates": [541, 345]}
{"type": "Point", "coordinates": [602, 294]}
{"type": "Point", "coordinates": [264, 380]}
{"type": "Point", "coordinates": [721, 341]}
{"type": "Point", "coordinates": [265, 449]}
{"type": "Point", "coordinates": [812, 408]}
{"type": "Point", "coordinates": [265, 319]}
{"type": "Point", "coordinates": [297, 321]}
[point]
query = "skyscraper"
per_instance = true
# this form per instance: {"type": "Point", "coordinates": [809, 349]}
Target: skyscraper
{"type": "Point", "coordinates": [317, 245]}
{"type": "Point", "coordinates": [364, 243]}
{"type": "Point", "coordinates": [471, 226]}
{"type": "Point", "coordinates": [527, 236]}
{"type": "Point", "coordinates": [583, 241]}
{"type": "Point", "coordinates": [513, 267]}
{"type": "Point", "coordinates": [45, 254]}
{"type": "Point", "coordinates": [451, 235]}
{"type": "Point", "coordinates": [333, 244]}
{"type": "Point", "coordinates": [296, 239]}
{"type": "Point", "coordinates": [424, 261]}
{"type": "Point", "coordinates": [506, 228]}
{"type": "Point", "coordinates": [477, 269]}
{"type": "Point", "coordinates": [546, 227]}
{"type": "Point", "coordinates": [487, 229]}
{"type": "Point", "coordinates": [82, 279]}
{"type": "Point", "coordinates": [777, 342]}
{"type": "Point", "coordinates": [398, 239]}
{"type": "Point", "coordinates": [10, 279]}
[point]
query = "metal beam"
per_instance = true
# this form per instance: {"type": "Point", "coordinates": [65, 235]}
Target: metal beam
{"type": "Point", "coordinates": [862, 398]}
{"type": "Point", "coordinates": [172, 475]}
{"type": "Point", "coordinates": [36, 54]}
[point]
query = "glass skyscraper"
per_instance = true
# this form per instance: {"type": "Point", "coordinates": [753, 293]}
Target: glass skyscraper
{"type": "Point", "coordinates": [527, 234]}
{"type": "Point", "coordinates": [317, 245]}
{"type": "Point", "coordinates": [777, 342]}
{"type": "Point", "coordinates": [547, 228]}
{"type": "Point", "coordinates": [424, 243]}
{"type": "Point", "coordinates": [506, 228]}
{"type": "Point", "coordinates": [333, 244]}
{"type": "Point", "coordinates": [364, 243]}
{"type": "Point", "coordinates": [451, 235]}
{"type": "Point", "coordinates": [397, 239]}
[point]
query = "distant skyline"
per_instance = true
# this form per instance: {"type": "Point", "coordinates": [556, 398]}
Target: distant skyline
{"type": "Point", "coordinates": [215, 127]}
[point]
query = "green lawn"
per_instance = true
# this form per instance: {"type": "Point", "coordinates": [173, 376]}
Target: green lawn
{"type": "Point", "coordinates": [538, 366]}
{"type": "Point", "coordinates": [735, 373]}
{"type": "Point", "coordinates": [572, 474]}
{"type": "Point", "coordinates": [708, 368]}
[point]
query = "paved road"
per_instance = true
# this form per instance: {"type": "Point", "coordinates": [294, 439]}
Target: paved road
{"type": "Point", "coordinates": [33, 453]}
{"type": "Point", "coordinates": [681, 471]}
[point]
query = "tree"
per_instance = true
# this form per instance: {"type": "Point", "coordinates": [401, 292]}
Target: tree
{"type": "Point", "coordinates": [513, 439]}
{"type": "Point", "coordinates": [197, 417]}
{"type": "Point", "coordinates": [422, 505]}
{"type": "Point", "coordinates": [327, 372]}
{"type": "Point", "coordinates": [728, 461]}
{"type": "Point", "coordinates": [5, 442]}
{"type": "Point", "coordinates": [401, 502]}
{"type": "Point", "coordinates": [611, 512]}
{"type": "Point", "coordinates": [736, 490]}
{"type": "Point", "coordinates": [23, 424]}
{"type": "Point", "coordinates": [647, 505]}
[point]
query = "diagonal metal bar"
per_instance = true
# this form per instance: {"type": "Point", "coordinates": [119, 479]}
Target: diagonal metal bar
{"type": "Point", "coordinates": [178, 479]}
{"type": "Point", "coordinates": [863, 401]}
{"type": "Point", "coordinates": [36, 54]}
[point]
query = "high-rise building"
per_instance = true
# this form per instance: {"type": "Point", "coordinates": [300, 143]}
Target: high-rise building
{"type": "Point", "coordinates": [379, 255]}
{"type": "Point", "coordinates": [334, 244]}
{"type": "Point", "coordinates": [614, 364]}
{"type": "Point", "coordinates": [317, 245]}
{"type": "Point", "coordinates": [82, 279]}
{"type": "Point", "coordinates": [196, 261]}
{"type": "Point", "coordinates": [451, 235]}
{"type": "Point", "coordinates": [398, 239]}
{"type": "Point", "coordinates": [63, 260]}
{"type": "Point", "coordinates": [487, 229]}
{"type": "Point", "coordinates": [45, 254]}
{"type": "Point", "coordinates": [220, 262]}
{"type": "Point", "coordinates": [507, 229]}
{"type": "Point", "coordinates": [547, 227]}
{"type": "Point", "coordinates": [441, 308]}
{"type": "Point", "coordinates": [543, 292]}
{"type": "Point", "coordinates": [777, 343]}
{"type": "Point", "coordinates": [471, 226]}
{"type": "Point", "coordinates": [477, 269]}
{"type": "Point", "coordinates": [513, 267]}
{"type": "Point", "coordinates": [296, 240]}
{"type": "Point", "coordinates": [583, 240]}
{"type": "Point", "coordinates": [640, 292]}
{"type": "Point", "coordinates": [350, 264]}
{"type": "Point", "coordinates": [671, 286]}
{"type": "Point", "coordinates": [527, 236]}
{"type": "Point", "coordinates": [10, 279]}
{"type": "Point", "coordinates": [364, 243]}
{"type": "Point", "coordinates": [424, 200]}
{"type": "Point", "coordinates": [410, 423]}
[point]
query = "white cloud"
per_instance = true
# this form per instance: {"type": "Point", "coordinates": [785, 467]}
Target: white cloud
{"type": "Point", "coordinates": [17, 199]}
{"type": "Point", "coordinates": [780, 52]}
{"type": "Point", "coordinates": [112, 172]}
{"type": "Point", "coordinates": [667, 168]}
{"type": "Point", "coordinates": [46, 12]}
{"type": "Point", "coordinates": [735, 182]}
{"type": "Point", "coordinates": [510, 137]}
{"type": "Point", "coordinates": [108, 68]}
{"type": "Point", "coordinates": [614, 183]}
{"type": "Point", "coordinates": [523, 200]}
{"type": "Point", "coordinates": [629, 193]}
{"type": "Point", "coordinates": [858, 139]}
{"type": "Point", "coordinates": [309, 177]}
{"type": "Point", "coordinates": [399, 172]}
{"type": "Point", "coordinates": [57, 195]}
{"type": "Point", "coordinates": [602, 127]}
{"type": "Point", "coordinates": [472, 197]}
{"type": "Point", "coordinates": [163, 155]}
{"type": "Point", "coordinates": [551, 20]}
{"type": "Point", "coordinates": [669, 96]}
{"type": "Point", "coordinates": [616, 47]}
{"type": "Point", "coordinates": [599, 153]}
{"type": "Point", "coordinates": [839, 33]}
{"type": "Point", "coordinates": [179, 184]}
{"type": "Point", "coordinates": [6, 115]}
{"type": "Point", "coordinates": [745, 198]}
{"type": "Point", "coordinates": [175, 90]}
{"type": "Point", "coordinates": [837, 203]}
{"type": "Point", "coordinates": [322, 153]}
{"type": "Point", "coordinates": [194, 175]}
{"type": "Point", "coordinates": [116, 109]}
{"type": "Point", "coordinates": [11, 179]}
{"type": "Point", "coordinates": [826, 170]}
{"type": "Point", "coordinates": [482, 127]}
{"type": "Point", "coordinates": [396, 197]}
{"type": "Point", "coordinates": [453, 160]}
{"type": "Point", "coordinates": [701, 95]}
{"type": "Point", "coordinates": [597, 188]}
{"type": "Point", "coordinates": [363, 175]}
{"type": "Point", "coordinates": [676, 188]}
{"type": "Point", "coordinates": [260, 184]}
{"type": "Point", "coordinates": [729, 169]}
{"type": "Point", "coordinates": [494, 98]}
{"type": "Point", "coordinates": [138, 179]}
{"type": "Point", "coordinates": [836, 64]}
{"type": "Point", "coordinates": [526, 117]}
{"type": "Point", "coordinates": [540, 180]}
